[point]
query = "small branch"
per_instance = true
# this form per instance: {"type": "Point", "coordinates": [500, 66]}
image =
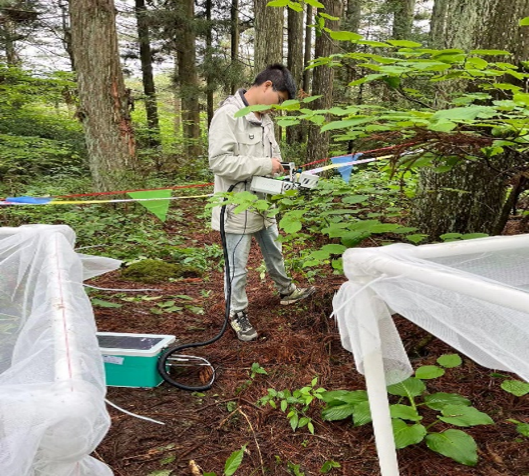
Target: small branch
{"type": "Point", "coordinates": [254, 437]}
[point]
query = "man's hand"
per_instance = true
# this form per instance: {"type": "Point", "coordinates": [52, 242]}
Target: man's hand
{"type": "Point", "coordinates": [277, 168]}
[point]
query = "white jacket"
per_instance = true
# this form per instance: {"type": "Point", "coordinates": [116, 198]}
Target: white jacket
{"type": "Point", "coordinates": [240, 148]}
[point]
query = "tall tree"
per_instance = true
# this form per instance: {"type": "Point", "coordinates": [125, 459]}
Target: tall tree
{"type": "Point", "coordinates": [473, 196]}
{"type": "Point", "coordinates": [295, 64]}
{"type": "Point", "coordinates": [322, 83]}
{"type": "Point", "coordinates": [234, 38]}
{"type": "Point", "coordinates": [268, 28]}
{"type": "Point", "coordinates": [104, 102]}
{"type": "Point", "coordinates": [179, 29]}
{"type": "Point", "coordinates": [403, 12]}
{"type": "Point", "coordinates": [149, 88]}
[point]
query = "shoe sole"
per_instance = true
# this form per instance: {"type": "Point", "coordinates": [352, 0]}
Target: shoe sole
{"type": "Point", "coordinates": [247, 338]}
{"type": "Point", "coordinates": [286, 303]}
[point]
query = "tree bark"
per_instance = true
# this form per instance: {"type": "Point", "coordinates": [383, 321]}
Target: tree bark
{"type": "Point", "coordinates": [307, 76]}
{"type": "Point", "coordinates": [295, 64]}
{"type": "Point", "coordinates": [104, 103]}
{"type": "Point", "coordinates": [268, 35]}
{"type": "Point", "coordinates": [234, 38]}
{"type": "Point", "coordinates": [189, 87]}
{"type": "Point", "coordinates": [149, 88]}
{"type": "Point", "coordinates": [471, 197]}
{"type": "Point", "coordinates": [403, 12]}
{"type": "Point", "coordinates": [322, 84]}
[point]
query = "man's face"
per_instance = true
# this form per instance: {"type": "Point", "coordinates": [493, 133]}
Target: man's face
{"type": "Point", "coordinates": [270, 96]}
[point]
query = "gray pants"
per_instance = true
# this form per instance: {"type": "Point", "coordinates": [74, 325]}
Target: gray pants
{"type": "Point", "coordinates": [238, 247]}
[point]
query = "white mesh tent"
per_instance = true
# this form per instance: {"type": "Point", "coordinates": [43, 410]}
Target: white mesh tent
{"type": "Point", "coordinates": [472, 294]}
{"type": "Point", "coordinates": [52, 385]}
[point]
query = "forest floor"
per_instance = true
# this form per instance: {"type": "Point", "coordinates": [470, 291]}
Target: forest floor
{"type": "Point", "coordinates": [296, 343]}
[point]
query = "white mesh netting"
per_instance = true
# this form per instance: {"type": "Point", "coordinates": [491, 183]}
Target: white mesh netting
{"type": "Point", "coordinates": [52, 386]}
{"type": "Point", "coordinates": [473, 294]}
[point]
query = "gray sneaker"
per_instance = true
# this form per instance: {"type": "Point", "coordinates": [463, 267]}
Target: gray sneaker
{"type": "Point", "coordinates": [297, 295]}
{"type": "Point", "coordinates": [242, 327]}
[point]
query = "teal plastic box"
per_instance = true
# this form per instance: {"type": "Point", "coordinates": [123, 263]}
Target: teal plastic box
{"type": "Point", "coordinates": [130, 359]}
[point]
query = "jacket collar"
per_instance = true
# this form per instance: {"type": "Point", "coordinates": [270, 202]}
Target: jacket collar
{"type": "Point", "coordinates": [239, 99]}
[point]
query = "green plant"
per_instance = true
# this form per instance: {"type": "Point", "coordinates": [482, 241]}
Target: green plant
{"type": "Point", "coordinates": [518, 389]}
{"type": "Point", "coordinates": [328, 466]}
{"type": "Point", "coordinates": [295, 404]}
{"type": "Point", "coordinates": [232, 463]}
{"type": "Point", "coordinates": [453, 409]}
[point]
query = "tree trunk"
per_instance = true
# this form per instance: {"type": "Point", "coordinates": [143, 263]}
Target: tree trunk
{"type": "Point", "coordinates": [104, 103]}
{"type": "Point", "coordinates": [322, 84]}
{"type": "Point", "coordinates": [470, 197]}
{"type": "Point", "coordinates": [295, 65]}
{"type": "Point", "coordinates": [234, 38]}
{"type": "Point", "coordinates": [210, 84]}
{"type": "Point", "coordinates": [268, 35]}
{"type": "Point", "coordinates": [403, 12]}
{"type": "Point", "coordinates": [307, 76]}
{"type": "Point", "coordinates": [67, 32]}
{"type": "Point", "coordinates": [189, 88]}
{"type": "Point", "coordinates": [149, 89]}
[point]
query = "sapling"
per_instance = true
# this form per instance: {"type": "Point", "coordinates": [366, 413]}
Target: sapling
{"type": "Point", "coordinates": [408, 425]}
{"type": "Point", "coordinates": [295, 403]}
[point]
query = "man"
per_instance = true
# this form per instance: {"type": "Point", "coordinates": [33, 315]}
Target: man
{"type": "Point", "coordinates": [240, 148]}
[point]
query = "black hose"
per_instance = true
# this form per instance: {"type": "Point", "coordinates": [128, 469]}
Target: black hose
{"type": "Point", "coordinates": [162, 361]}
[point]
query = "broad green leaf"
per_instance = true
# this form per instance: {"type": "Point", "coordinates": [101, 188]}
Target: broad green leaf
{"type": "Point", "coordinates": [314, 3]}
{"type": "Point", "coordinates": [303, 421]}
{"type": "Point", "coordinates": [278, 3]}
{"type": "Point", "coordinates": [473, 236]}
{"type": "Point", "coordinates": [416, 238]}
{"type": "Point", "coordinates": [461, 415]}
{"type": "Point", "coordinates": [354, 199]}
{"type": "Point", "coordinates": [284, 405]}
{"type": "Point", "coordinates": [234, 461]}
{"type": "Point", "coordinates": [516, 387]}
{"type": "Point", "coordinates": [101, 303]}
{"type": "Point", "coordinates": [411, 387]}
{"type": "Point", "coordinates": [362, 414]}
{"type": "Point", "coordinates": [310, 99]}
{"type": "Point", "coordinates": [245, 110]}
{"type": "Point", "coordinates": [524, 21]}
{"type": "Point", "coordinates": [442, 126]}
{"type": "Point", "coordinates": [406, 435]}
{"type": "Point", "coordinates": [345, 36]}
{"type": "Point", "coordinates": [328, 17]}
{"type": "Point", "coordinates": [404, 412]}
{"type": "Point", "coordinates": [467, 113]}
{"type": "Point", "coordinates": [427, 372]}
{"type": "Point", "coordinates": [455, 444]}
{"type": "Point", "coordinates": [344, 396]}
{"type": "Point", "coordinates": [404, 43]}
{"type": "Point", "coordinates": [339, 412]}
{"type": "Point", "coordinates": [294, 419]}
{"type": "Point", "coordinates": [490, 53]}
{"type": "Point", "coordinates": [291, 222]}
{"type": "Point", "coordinates": [295, 6]}
{"type": "Point", "coordinates": [437, 401]}
{"type": "Point", "coordinates": [522, 428]}
{"type": "Point", "coordinates": [374, 44]}
{"type": "Point", "coordinates": [449, 361]}
{"type": "Point", "coordinates": [351, 239]}
{"type": "Point", "coordinates": [345, 123]}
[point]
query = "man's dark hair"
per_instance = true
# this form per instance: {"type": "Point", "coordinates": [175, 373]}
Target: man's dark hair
{"type": "Point", "coordinates": [281, 78]}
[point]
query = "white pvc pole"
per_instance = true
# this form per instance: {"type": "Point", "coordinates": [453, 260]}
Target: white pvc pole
{"type": "Point", "coordinates": [373, 309]}
{"type": "Point", "coordinates": [488, 291]}
{"type": "Point", "coordinates": [479, 245]}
